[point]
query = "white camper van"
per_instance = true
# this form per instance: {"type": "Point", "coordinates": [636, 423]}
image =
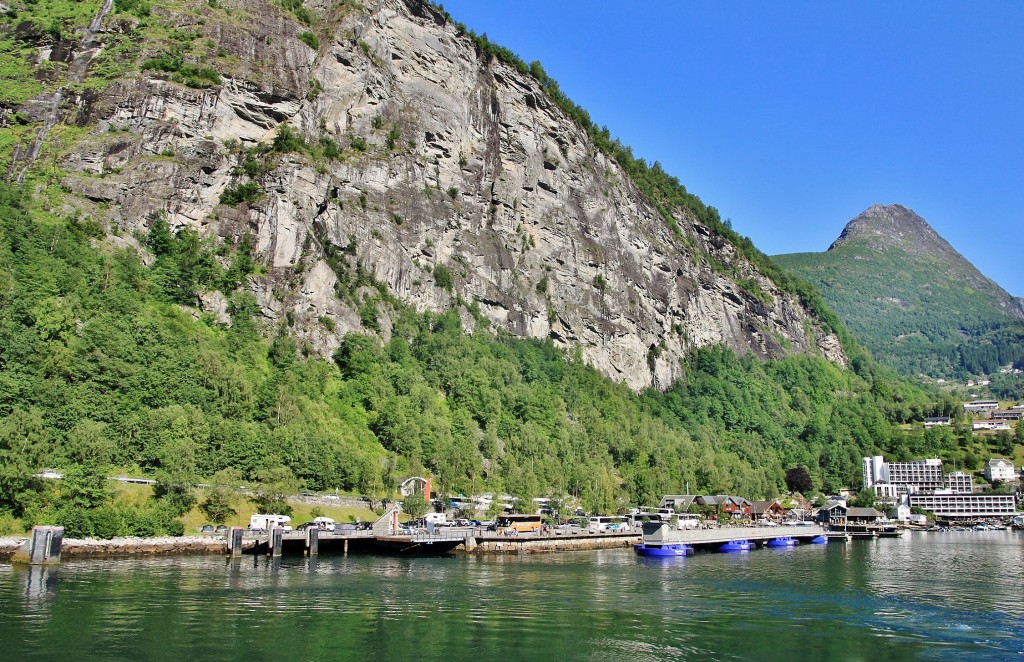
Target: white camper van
{"type": "Point", "coordinates": [437, 519]}
{"type": "Point", "coordinates": [260, 522]}
{"type": "Point", "coordinates": [324, 523]}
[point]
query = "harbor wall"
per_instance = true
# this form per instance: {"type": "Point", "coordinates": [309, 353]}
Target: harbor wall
{"type": "Point", "coordinates": [526, 545]}
{"type": "Point", "coordinates": [124, 547]}
{"type": "Point", "coordinates": [170, 546]}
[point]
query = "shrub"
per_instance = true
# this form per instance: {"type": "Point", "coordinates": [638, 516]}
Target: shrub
{"type": "Point", "coordinates": [248, 193]}
{"type": "Point", "coordinates": [187, 74]}
{"type": "Point", "coordinates": [393, 135]}
{"type": "Point", "coordinates": [443, 277]}
{"type": "Point", "coordinates": [139, 8]}
{"type": "Point", "coordinates": [310, 39]}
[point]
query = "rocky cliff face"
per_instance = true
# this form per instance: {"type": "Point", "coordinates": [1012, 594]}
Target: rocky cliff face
{"type": "Point", "coordinates": [455, 182]}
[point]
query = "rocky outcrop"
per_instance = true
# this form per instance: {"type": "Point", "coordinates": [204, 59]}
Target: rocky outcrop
{"type": "Point", "coordinates": [455, 182]}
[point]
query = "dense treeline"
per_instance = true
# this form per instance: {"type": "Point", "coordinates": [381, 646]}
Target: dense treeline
{"type": "Point", "coordinates": [102, 364]}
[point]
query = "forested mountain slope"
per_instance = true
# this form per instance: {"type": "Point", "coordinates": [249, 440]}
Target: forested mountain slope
{"type": "Point", "coordinates": [916, 303]}
{"type": "Point", "coordinates": [99, 365]}
{"type": "Point", "coordinates": [332, 243]}
{"type": "Point", "coordinates": [335, 137]}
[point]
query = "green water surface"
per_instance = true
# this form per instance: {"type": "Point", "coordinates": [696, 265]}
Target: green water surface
{"type": "Point", "coordinates": [944, 596]}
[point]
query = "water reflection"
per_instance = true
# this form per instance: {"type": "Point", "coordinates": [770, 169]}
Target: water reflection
{"type": "Point", "coordinates": [918, 597]}
{"type": "Point", "coordinates": [39, 586]}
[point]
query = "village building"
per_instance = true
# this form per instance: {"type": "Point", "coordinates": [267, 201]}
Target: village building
{"type": "Point", "coordinates": [889, 480]}
{"type": "Point", "coordinates": [678, 502]}
{"type": "Point", "coordinates": [1007, 414]}
{"type": "Point", "coordinates": [965, 506]}
{"type": "Point", "coordinates": [981, 405]}
{"type": "Point", "coordinates": [1000, 469]}
{"type": "Point", "coordinates": [959, 482]}
{"type": "Point", "coordinates": [932, 421]}
{"type": "Point", "coordinates": [770, 511]}
{"type": "Point", "coordinates": [990, 424]}
{"type": "Point", "coordinates": [838, 514]}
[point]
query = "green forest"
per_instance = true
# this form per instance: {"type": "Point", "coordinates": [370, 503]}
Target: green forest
{"type": "Point", "coordinates": [108, 365]}
{"type": "Point", "coordinates": [105, 364]}
{"type": "Point", "coordinates": [914, 315]}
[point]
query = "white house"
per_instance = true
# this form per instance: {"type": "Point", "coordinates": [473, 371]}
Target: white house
{"type": "Point", "coordinates": [989, 424]}
{"type": "Point", "coordinates": [1000, 469]}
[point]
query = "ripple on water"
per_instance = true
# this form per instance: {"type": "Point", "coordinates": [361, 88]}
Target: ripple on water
{"type": "Point", "coordinates": [889, 600]}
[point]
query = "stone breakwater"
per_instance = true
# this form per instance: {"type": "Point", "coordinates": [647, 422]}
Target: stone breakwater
{"type": "Point", "coordinates": [73, 548]}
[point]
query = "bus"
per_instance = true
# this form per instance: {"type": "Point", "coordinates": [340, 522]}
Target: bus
{"type": "Point", "coordinates": [519, 524]}
{"type": "Point", "coordinates": [608, 523]}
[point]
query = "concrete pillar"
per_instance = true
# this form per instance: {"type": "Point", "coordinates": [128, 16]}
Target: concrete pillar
{"type": "Point", "coordinates": [470, 542]}
{"type": "Point", "coordinates": [235, 541]}
{"type": "Point", "coordinates": [42, 547]}
{"type": "Point", "coordinates": [276, 538]}
{"type": "Point", "coordinates": [312, 541]}
{"type": "Point", "coordinates": [345, 547]}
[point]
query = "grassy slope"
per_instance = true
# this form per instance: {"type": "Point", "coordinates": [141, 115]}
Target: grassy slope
{"type": "Point", "coordinates": [915, 315]}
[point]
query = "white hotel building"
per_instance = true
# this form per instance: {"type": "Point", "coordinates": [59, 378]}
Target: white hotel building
{"type": "Point", "coordinates": [966, 505]}
{"type": "Point", "coordinates": [921, 484]}
{"type": "Point", "coordinates": [893, 479]}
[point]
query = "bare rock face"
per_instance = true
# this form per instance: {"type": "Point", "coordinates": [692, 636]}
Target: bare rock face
{"type": "Point", "coordinates": [457, 178]}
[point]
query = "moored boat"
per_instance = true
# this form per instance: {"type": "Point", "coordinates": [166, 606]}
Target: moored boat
{"type": "Point", "coordinates": [737, 546]}
{"type": "Point", "coordinates": [819, 540]}
{"type": "Point", "coordinates": [662, 550]}
{"type": "Point", "coordinates": [784, 542]}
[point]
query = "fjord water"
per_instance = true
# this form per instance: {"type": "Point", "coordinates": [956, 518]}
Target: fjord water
{"type": "Point", "coordinates": [941, 596]}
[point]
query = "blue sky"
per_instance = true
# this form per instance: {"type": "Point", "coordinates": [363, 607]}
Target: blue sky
{"type": "Point", "coordinates": [792, 118]}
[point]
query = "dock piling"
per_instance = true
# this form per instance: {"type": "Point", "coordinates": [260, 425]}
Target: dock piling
{"type": "Point", "coordinates": [276, 540]}
{"type": "Point", "coordinates": [42, 547]}
{"type": "Point", "coordinates": [235, 541]}
{"type": "Point", "coordinates": [312, 541]}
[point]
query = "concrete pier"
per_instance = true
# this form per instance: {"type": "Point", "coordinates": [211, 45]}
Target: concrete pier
{"type": "Point", "coordinates": [276, 540]}
{"type": "Point", "coordinates": [43, 546]}
{"type": "Point", "coordinates": [312, 541]}
{"type": "Point", "coordinates": [235, 541]}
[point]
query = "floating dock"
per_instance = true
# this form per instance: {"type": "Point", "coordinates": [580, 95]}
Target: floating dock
{"type": "Point", "coordinates": [715, 537]}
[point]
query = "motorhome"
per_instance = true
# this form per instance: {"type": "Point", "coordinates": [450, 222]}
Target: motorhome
{"type": "Point", "coordinates": [261, 522]}
{"type": "Point", "coordinates": [437, 519]}
{"type": "Point", "coordinates": [324, 523]}
{"type": "Point", "coordinates": [689, 521]}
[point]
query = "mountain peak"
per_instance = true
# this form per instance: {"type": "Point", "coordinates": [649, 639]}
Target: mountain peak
{"type": "Point", "coordinates": [894, 226]}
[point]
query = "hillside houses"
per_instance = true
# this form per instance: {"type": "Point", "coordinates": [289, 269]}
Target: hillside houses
{"type": "Point", "coordinates": [981, 406]}
{"type": "Point", "coordinates": [1000, 469]}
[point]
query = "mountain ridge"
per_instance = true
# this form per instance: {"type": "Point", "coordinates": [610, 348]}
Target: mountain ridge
{"type": "Point", "coordinates": [896, 226]}
{"type": "Point", "coordinates": [916, 302]}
